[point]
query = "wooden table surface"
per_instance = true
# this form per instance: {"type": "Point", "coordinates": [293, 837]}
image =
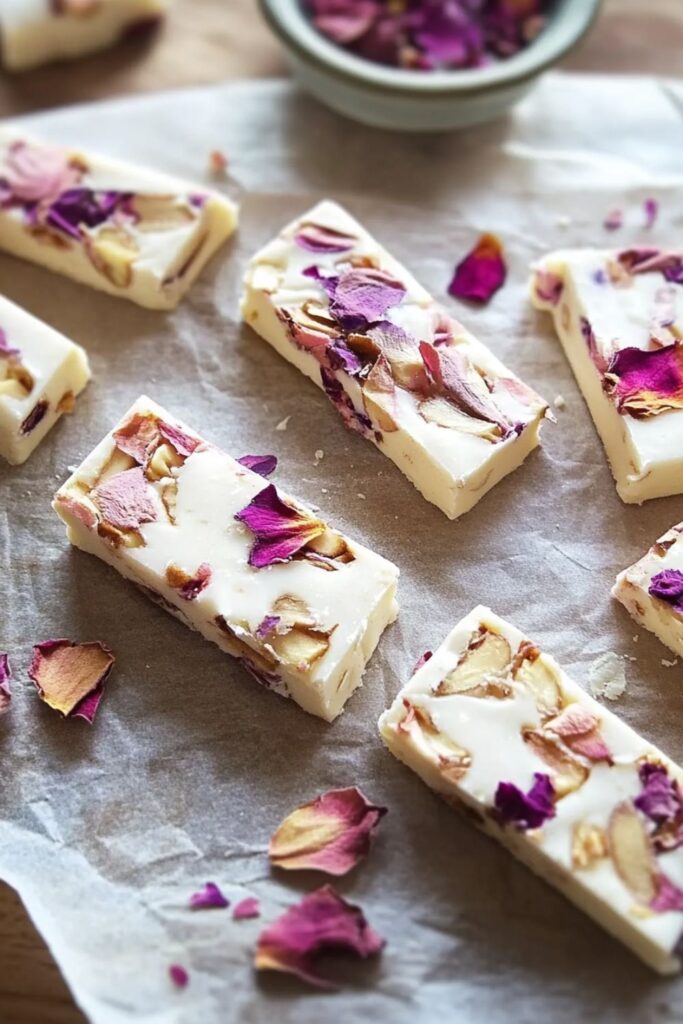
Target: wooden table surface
{"type": "Point", "coordinates": [209, 41]}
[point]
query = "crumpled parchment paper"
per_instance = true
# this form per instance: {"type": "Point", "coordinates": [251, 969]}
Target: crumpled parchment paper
{"type": "Point", "coordinates": [106, 831]}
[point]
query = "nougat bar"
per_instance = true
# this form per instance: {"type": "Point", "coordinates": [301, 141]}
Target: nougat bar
{"type": "Point", "coordinates": [41, 373]}
{"type": "Point", "coordinates": [651, 590]}
{"type": "Point", "coordinates": [496, 727]}
{"type": "Point", "coordinates": [619, 317]}
{"type": "Point", "coordinates": [400, 371]}
{"type": "Point", "coordinates": [34, 32]}
{"type": "Point", "coordinates": [125, 230]}
{"type": "Point", "coordinates": [205, 536]}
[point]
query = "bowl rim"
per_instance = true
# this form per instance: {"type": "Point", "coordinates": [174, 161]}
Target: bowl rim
{"type": "Point", "coordinates": [567, 25]}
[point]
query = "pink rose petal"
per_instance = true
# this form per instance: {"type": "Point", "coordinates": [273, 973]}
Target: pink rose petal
{"type": "Point", "coordinates": [580, 730]}
{"type": "Point", "coordinates": [646, 383]}
{"type": "Point", "coordinates": [210, 897]}
{"type": "Point", "coordinates": [669, 896]}
{"type": "Point", "coordinates": [614, 220]}
{"type": "Point", "coordinates": [125, 501]}
{"type": "Point", "coordinates": [316, 238]}
{"type": "Point", "coordinates": [5, 679]}
{"type": "Point", "coordinates": [6, 349]}
{"type": "Point", "coordinates": [331, 833]}
{"type": "Point", "coordinates": [321, 921]}
{"type": "Point", "coordinates": [138, 438]}
{"type": "Point", "coordinates": [38, 173]}
{"type": "Point", "coordinates": [247, 908]}
{"type": "Point", "coordinates": [422, 661]}
{"type": "Point", "coordinates": [70, 677]}
{"type": "Point", "coordinates": [280, 529]}
{"type": "Point", "coordinates": [481, 273]}
{"type": "Point", "coordinates": [178, 439]}
{"type": "Point", "coordinates": [450, 370]}
{"type": "Point", "coordinates": [549, 286]}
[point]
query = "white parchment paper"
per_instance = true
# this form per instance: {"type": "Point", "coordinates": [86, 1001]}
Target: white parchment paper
{"type": "Point", "coordinates": [106, 831]}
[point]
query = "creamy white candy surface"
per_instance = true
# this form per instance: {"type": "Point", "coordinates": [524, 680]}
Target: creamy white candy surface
{"type": "Point", "coordinates": [299, 604]}
{"type": "Point", "coordinates": [41, 373]}
{"type": "Point", "coordinates": [496, 727]}
{"type": "Point", "coordinates": [128, 231]}
{"type": "Point", "coordinates": [400, 371]}
{"type": "Point", "coordinates": [619, 316]}
{"type": "Point", "coordinates": [37, 31]}
{"type": "Point", "coordinates": [652, 589]}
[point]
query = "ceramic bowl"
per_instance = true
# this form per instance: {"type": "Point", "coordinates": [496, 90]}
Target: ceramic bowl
{"type": "Point", "coordinates": [396, 98]}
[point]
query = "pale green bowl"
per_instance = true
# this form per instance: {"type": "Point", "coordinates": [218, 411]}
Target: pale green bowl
{"type": "Point", "coordinates": [417, 101]}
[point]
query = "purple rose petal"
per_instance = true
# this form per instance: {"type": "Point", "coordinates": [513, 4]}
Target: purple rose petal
{"type": "Point", "coordinates": [5, 679]}
{"type": "Point", "coordinates": [264, 465]}
{"type": "Point", "coordinates": [525, 810]}
{"type": "Point", "coordinates": [317, 238]}
{"type": "Point", "coordinates": [6, 349]}
{"type": "Point", "coordinates": [247, 908]}
{"type": "Point", "coordinates": [668, 586]}
{"type": "Point", "coordinates": [210, 897]}
{"type": "Point", "coordinates": [79, 206]}
{"type": "Point", "coordinates": [651, 210]}
{"type": "Point", "coordinates": [280, 529]}
{"type": "Point", "coordinates": [363, 296]}
{"type": "Point", "coordinates": [614, 220]}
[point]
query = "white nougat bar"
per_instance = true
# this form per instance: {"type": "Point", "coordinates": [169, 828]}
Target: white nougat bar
{"type": "Point", "coordinates": [619, 316]}
{"type": "Point", "coordinates": [651, 590]}
{"type": "Point", "coordinates": [165, 508]}
{"type": "Point", "coordinates": [41, 373]}
{"type": "Point", "coordinates": [496, 727]}
{"type": "Point", "coordinates": [34, 32]}
{"type": "Point", "coordinates": [401, 372]}
{"type": "Point", "coordinates": [125, 230]}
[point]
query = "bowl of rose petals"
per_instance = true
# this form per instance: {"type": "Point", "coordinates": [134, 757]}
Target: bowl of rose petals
{"type": "Point", "coordinates": [425, 65]}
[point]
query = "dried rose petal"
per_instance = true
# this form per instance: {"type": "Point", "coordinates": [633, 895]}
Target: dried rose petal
{"type": "Point", "coordinates": [363, 295]}
{"type": "Point", "coordinates": [646, 382]}
{"type": "Point", "coordinates": [138, 438]}
{"type": "Point", "coordinates": [83, 206]}
{"type": "Point", "coordinates": [178, 439]}
{"type": "Point", "coordinates": [280, 529]}
{"type": "Point", "coordinates": [322, 920]}
{"type": "Point", "coordinates": [614, 220]}
{"type": "Point", "coordinates": [331, 833]}
{"type": "Point", "coordinates": [651, 210]}
{"type": "Point", "coordinates": [210, 897]}
{"type": "Point", "coordinates": [646, 261]}
{"type": "Point", "coordinates": [264, 465]}
{"type": "Point", "coordinates": [218, 163]}
{"type": "Point", "coordinates": [481, 273]}
{"type": "Point", "coordinates": [36, 416]}
{"type": "Point", "coordinates": [525, 810]}
{"type": "Point", "coordinates": [549, 286]}
{"type": "Point", "coordinates": [179, 975]}
{"type": "Point", "coordinates": [124, 500]}
{"type": "Point", "coordinates": [70, 677]}
{"type": "Point", "coordinates": [453, 374]}
{"type": "Point", "coordinates": [662, 802]}
{"type": "Point", "coordinates": [247, 908]}
{"type": "Point", "coordinates": [266, 626]}
{"type": "Point", "coordinates": [669, 896]}
{"type": "Point", "coordinates": [422, 660]}
{"type": "Point", "coordinates": [351, 416]}
{"type": "Point", "coordinates": [5, 679]}
{"type": "Point", "coordinates": [594, 352]}
{"type": "Point", "coordinates": [580, 731]}
{"type": "Point", "coordinates": [668, 586]}
{"type": "Point", "coordinates": [316, 238]}
{"type": "Point", "coordinates": [38, 173]}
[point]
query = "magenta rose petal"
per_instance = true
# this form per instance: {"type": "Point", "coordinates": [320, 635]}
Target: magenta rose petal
{"type": "Point", "coordinates": [422, 660]}
{"type": "Point", "coordinates": [209, 897]}
{"type": "Point", "coordinates": [331, 833]}
{"type": "Point", "coordinates": [264, 465]}
{"type": "Point", "coordinates": [280, 529]}
{"type": "Point", "coordinates": [178, 975]}
{"type": "Point", "coordinates": [525, 810]}
{"type": "Point", "coordinates": [193, 587]}
{"type": "Point", "coordinates": [549, 286]}
{"type": "Point", "coordinates": [321, 921]}
{"type": "Point", "coordinates": [125, 500]}
{"type": "Point", "coordinates": [6, 350]}
{"type": "Point", "coordinates": [70, 677]}
{"type": "Point", "coordinates": [481, 273]}
{"type": "Point", "coordinates": [646, 382]}
{"type": "Point", "coordinates": [5, 679]}
{"type": "Point", "coordinates": [669, 896]}
{"type": "Point", "coordinates": [246, 909]}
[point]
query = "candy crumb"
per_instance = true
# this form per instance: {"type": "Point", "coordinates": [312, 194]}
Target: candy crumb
{"type": "Point", "coordinates": [669, 664]}
{"type": "Point", "coordinates": [282, 425]}
{"type": "Point", "coordinates": [560, 403]}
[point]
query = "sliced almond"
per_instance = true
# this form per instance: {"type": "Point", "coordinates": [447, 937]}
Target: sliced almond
{"type": "Point", "coordinates": [568, 774]}
{"type": "Point", "coordinates": [293, 611]}
{"type": "Point", "coordinates": [19, 373]}
{"type": "Point", "coordinates": [66, 404]}
{"type": "Point", "coordinates": [300, 647]}
{"type": "Point", "coordinates": [539, 678]}
{"type": "Point", "coordinates": [632, 853]}
{"type": "Point", "coordinates": [589, 845]}
{"type": "Point", "coordinates": [330, 544]}
{"type": "Point", "coordinates": [444, 414]}
{"type": "Point", "coordinates": [120, 538]}
{"type": "Point", "coordinates": [161, 213]}
{"type": "Point", "coordinates": [112, 252]}
{"type": "Point", "coordinates": [262, 660]}
{"type": "Point", "coordinates": [165, 459]}
{"type": "Point", "coordinates": [485, 663]}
